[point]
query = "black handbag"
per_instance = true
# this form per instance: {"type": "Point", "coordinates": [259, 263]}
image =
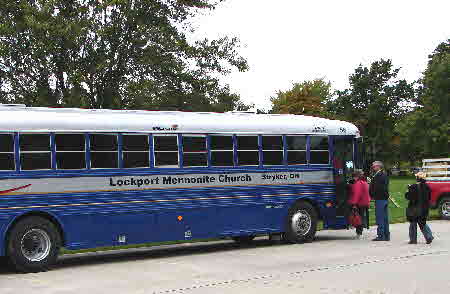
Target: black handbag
{"type": "Point", "coordinates": [412, 211]}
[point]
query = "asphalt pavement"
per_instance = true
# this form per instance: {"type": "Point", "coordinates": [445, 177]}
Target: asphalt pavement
{"type": "Point", "coordinates": [336, 262]}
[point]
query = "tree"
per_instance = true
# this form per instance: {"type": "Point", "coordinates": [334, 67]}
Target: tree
{"type": "Point", "coordinates": [427, 129]}
{"type": "Point", "coordinates": [411, 144]}
{"type": "Point", "coordinates": [375, 101]}
{"type": "Point", "coordinates": [113, 54]}
{"type": "Point", "coordinates": [306, 98]}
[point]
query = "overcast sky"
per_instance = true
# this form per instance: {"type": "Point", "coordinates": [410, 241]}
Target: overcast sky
{"type": "Point", "coordinates": [287, 41]}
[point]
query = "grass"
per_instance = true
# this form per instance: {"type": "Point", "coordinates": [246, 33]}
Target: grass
{"type": "Point", "coordinates": [397, 188]}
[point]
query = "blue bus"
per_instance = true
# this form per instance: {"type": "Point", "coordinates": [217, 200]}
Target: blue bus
{"type": "Point", "coordinates": [78, 178]}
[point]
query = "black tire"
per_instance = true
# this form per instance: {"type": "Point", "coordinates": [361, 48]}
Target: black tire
{"type": "Point", "coordinates": [244, 239]}
{"type": "Point", "coordinates": [301, 223]}
{"type": "Point", "coordinates": [444, 205]}
{"type": "Point", "coordinates": [36, 237]}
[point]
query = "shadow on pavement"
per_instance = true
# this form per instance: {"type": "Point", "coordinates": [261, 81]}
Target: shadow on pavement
{"type": "Point", "coordinates": [4, 268]}
{"type": "Point", "coordinates": [160, 252]}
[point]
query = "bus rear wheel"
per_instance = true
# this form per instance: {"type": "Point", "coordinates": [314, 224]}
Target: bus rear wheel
{"type": "Point", "coordinates": [33, 245]}
{"type": "Point", "coordinates": [301, 223]}
{"type": "Point", "coordinates": [444, 208]}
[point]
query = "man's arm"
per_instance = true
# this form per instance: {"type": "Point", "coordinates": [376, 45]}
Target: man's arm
{"type": "Point", "coordinates": [371, 188]}
{"type": "Point", "coordinates": [386, 184]}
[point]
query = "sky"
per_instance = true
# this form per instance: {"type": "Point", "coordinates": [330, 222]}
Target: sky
{"type": "Point", "coordinates": [288, 41]}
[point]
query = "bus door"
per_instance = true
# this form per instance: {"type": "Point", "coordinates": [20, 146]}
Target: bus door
{"type": "Point", "coordinates": [343, 163]}
{"type": "Point", "coordinates": [361, 161]}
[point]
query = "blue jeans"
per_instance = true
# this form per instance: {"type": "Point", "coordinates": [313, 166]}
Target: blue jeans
{"type": "Point", "coordinates": [426, 231]}
{"type": "Point", "coordinates": [382, 219]}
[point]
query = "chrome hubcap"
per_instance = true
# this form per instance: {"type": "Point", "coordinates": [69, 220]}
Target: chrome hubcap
{"type": "Point", "coordinates": [446, 208]}
{"type": "Point", "coordinates": [35, 245]}
{"type": "Point", "coordinates": [301, 222]}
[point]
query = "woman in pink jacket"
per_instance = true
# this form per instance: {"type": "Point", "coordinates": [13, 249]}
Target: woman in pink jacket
{"type": "Point", "coordinates": [360, 199]}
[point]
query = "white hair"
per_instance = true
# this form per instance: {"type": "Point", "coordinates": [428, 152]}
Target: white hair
{"type": "Point", "coordinates": [379, 163]}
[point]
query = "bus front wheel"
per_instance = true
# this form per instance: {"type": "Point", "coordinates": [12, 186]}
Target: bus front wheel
{"type": "Point", "coordinates": [301, 223]}
{"type": "Point", "coordinates": [33, 245]}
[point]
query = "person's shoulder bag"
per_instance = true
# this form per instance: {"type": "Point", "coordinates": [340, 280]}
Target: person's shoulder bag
{"type": "Point", "coordinates": [354, 218]}
{"type": "Point", "coordinates": [413, 209]}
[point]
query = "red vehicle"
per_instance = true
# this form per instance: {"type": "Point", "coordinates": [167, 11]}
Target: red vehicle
{"type": "Point", "coordinates": [438, 179]}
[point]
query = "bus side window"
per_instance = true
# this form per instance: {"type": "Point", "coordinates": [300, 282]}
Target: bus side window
{"type": "Point", "coordinates": [272, 150]}
{"type": "Point", "coordinates": [135, 151]}
{"type": "Point", "coordinates": [70, 151]}
{"type": "Point", "coordinates": [319, 150]}
{"type": "Point", "coordinates": [104, 150]}
{"type": "Point", "coordinates": [7, 152]}
{"type": "Point", "coordinates": [194, 151]}
{"type": "Point", "coordinates": [35, 151]}
{"type": "Point", "coordinates": [248, 150]}
{"type": "Point", "coordinates": [166, 150]}
{"type": "Point", "coordinates": [296, 149]}
{"type": "Point", "coordinates": [221, 150]}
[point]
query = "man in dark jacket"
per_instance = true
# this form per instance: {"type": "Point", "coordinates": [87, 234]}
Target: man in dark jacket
{"type": "Point", "coordinates": [378, 191]}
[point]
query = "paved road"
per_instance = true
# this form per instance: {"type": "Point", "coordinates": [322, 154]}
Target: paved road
{"type": "Point", "coordinates": [334, 263]}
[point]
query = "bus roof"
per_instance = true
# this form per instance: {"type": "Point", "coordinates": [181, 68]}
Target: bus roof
{"type": "Point", "coordinates": [19, 118]}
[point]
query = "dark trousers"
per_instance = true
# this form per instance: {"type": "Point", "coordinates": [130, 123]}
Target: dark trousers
{"type": "Point", "coordinates": [382, 219]}
{"type": "Point", "coordinates": [364, 213]}
{"type": "Point", "coordinates": [426, 231]}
